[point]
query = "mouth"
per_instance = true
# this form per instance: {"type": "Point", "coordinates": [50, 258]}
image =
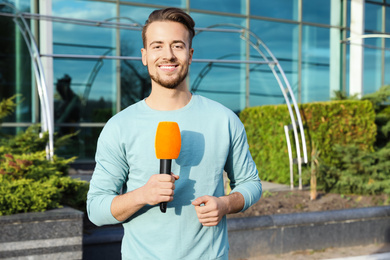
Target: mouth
{"type": "Point", "coordinates": [168, 67]}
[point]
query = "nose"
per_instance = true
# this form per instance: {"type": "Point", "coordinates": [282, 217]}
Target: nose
{"type": "Point", "coordinates": [169, 54]}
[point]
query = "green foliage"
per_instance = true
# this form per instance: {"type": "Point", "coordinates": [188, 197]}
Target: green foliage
{"type": "Point", "coordinates": [380, 101]}
{"type": "Point", "coordinates": [24, 142]}
{"type": "Point", "coordinates": [28, 181]}
{"type": "Point", "coordinates": [26, 195]}
{"type": "Point", "coordinates": [7, 107]}
{"type": "Point", "coordinates": [356, 171]}
{"type": "Point", "coordinates": [341, 95]}
{"type": "Point", "coordinates": [379, 97]}
{"type": "Point", "coordinates": [325, 124]}
{"type": "Point", "coordinates": [359, 171]}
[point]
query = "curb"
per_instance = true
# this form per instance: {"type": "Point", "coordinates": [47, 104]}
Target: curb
{"type": "Point", "coordinates": [284, 233]}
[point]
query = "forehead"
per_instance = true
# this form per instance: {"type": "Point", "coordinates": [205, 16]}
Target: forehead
{"type": "Point", "coordinates": [166, 31]}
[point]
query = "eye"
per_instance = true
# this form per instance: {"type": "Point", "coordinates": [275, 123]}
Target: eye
{"type": "Point", "coordinates": [178, 46]}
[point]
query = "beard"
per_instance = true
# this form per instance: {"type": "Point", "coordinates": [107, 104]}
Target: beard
{"type": "Point", "coordinates": [172, 82]}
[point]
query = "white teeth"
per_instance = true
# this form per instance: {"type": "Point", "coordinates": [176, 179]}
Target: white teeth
{"type": "Point", "coordinates": [167, 66]}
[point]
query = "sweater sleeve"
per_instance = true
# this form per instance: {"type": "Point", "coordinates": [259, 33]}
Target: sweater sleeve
{"type": "Point", "coordinates": [108, 177]}
{"type": "Point", "coordinates": [241, 169]}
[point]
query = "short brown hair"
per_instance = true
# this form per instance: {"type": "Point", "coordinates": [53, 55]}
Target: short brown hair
{"type": "Point", "coordinates": [173, 15]}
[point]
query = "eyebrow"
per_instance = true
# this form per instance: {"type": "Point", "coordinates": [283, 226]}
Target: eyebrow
{"type": "Point", "coordinates": [160, 42]}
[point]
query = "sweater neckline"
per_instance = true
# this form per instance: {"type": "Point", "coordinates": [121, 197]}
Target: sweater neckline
{"type": "Point", "coordinates": [186, 107]}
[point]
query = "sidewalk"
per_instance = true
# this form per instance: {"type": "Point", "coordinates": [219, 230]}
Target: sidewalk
{"type": "Point", "coordinates": [369, 252]}
{"type": "Point", "coordinates": [274, 186]}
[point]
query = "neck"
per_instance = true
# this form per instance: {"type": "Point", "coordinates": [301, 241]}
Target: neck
{"type": "Point", "coordinates": [168, 99]}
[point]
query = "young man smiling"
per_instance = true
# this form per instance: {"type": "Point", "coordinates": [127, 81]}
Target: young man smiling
{"type": "Point", "coordinates": [126, 186]}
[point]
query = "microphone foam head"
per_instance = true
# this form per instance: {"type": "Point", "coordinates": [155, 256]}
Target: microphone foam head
{"type": "Point", "coordinates": [168, 140]}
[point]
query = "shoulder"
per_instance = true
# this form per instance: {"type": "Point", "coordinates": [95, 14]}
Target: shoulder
{"type": "Point", "coordinates": [212, 106]}
{"type": "Point", "coordinates": [217, 112]}
{"type": "Point", "coordinates": [124, 118]}
{"type": "Point", "coordinates": [127, 114]}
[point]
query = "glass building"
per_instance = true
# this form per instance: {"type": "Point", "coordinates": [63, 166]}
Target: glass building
{"type": "Point", "coordinates": [87, 54]}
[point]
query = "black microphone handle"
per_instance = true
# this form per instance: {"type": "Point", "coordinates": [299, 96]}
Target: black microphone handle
{"type": "Point", "coordinates": [165, 168]}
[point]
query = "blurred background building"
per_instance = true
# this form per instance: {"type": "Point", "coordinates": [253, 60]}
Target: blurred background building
{"type": "Point", "coordinates": [90, 55]}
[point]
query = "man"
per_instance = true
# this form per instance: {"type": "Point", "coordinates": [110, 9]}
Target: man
{"type": "Point", "coordinates": [126, 186]}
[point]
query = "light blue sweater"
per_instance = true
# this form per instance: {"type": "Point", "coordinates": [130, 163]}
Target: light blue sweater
{"type": "Point", "coordinates": [213, 140]}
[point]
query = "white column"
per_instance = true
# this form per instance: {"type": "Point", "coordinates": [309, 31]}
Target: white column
{"type": "Point", "coordinates": [46, 47]}
{"type": "Point", "coordinates": [335, 50]}
{"type": "Point", "coordinates": [356, 48]}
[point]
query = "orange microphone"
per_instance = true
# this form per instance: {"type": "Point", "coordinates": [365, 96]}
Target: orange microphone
{"type": "Point", "coordinates": [167, 145]}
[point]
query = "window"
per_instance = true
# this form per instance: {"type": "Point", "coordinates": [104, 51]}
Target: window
{"type": "Point", "coordinates": [373, 17]}
{"type": "Point", "coordinates": [315, 64]}
{"type": "Point", "coordinates": [282, 9]}
{"type": "Point", "coordinates": [316, 11]}
{"type": "Point", "coordinates": [372, 65]}
{"type": "Point", "coordinates": [15, 67]}
{"type": "Point", "coordinates": [226, 6]}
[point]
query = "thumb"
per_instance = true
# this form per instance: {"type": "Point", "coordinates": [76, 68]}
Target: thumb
{"type": "Point", "coordinates": [175, 176]}
{"type": "Point", "coordinates": [199, 201]}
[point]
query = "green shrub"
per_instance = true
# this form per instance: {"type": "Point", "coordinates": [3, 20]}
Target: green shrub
{"type": "Point", "coordinates": [380, 101]}
{"type": "Point", "coordinates": [26, 195]}
{"type": "Point", "coordinates": [28, 181]}
{"type": "Point", "coordinates": [356, 171]}
{"type": "Point", "coordinates": [325, 124]}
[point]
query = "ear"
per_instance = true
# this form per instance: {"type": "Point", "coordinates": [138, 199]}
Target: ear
{"type": "Point", "coordinates": [143, 52]}
{"type": "Point", "coordinates": [190, 56]}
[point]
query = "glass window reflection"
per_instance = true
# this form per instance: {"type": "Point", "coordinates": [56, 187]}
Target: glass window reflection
{"type": "Point", "coordinates": [15, 67]}
{"type": "Point", "coordinates": [134, 77]}
{"type": "Point", "coordinates": [387, 22]}
{"type": "Point", "coordinates": [315, 64]}
{"type": "Point", "coordinates": [225, 6]}
{"type": "Point", "coordinates": [316, 11]}
{"type": "Point", "coordinates": [87, 85]}
{"type": "Point", "coordinates": [372, 65]}
{"type": "Point", "coordinates": [373, 17]}
{"type": "Point", "coordinates": [282, 9]}
{"type": "Point", "coordinates": [82, 145]}
{"type": "Point", "coordinates": [387, 62]}
{"type": "Point", "coordinates": [173, 3]}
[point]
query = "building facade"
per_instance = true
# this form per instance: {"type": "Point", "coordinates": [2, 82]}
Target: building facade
{"type": "Point", "coordinates": [89, 56]}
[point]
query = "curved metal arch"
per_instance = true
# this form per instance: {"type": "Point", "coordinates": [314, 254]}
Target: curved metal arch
{"type": "Point", "coordinates": [39, 77]}
{"type": "Point", "coordinates": [207, 68]}
{"type": "Point", "coordinates": [274, 65]}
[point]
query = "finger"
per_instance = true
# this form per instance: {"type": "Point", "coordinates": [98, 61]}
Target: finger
{"type": "Point", "coordinates": [166, 198]}
{"type": "Point", "coordinates": [165, 177]}
{"type": "Point", "coordinates": [200, 200]}
{"type": "Point", "coordinates": [167, 185]}
{"type": "Point", "coordinates": [205, 213]}
{"type": "Point", "coordinates": [209, 221]}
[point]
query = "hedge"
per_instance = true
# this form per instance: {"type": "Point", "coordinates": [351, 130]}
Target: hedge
{"type": "Point", "coordinates": [325, 125]}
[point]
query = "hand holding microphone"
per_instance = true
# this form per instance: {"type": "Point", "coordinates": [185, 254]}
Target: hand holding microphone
{"type": "Point", "coordinates": [167, 146]}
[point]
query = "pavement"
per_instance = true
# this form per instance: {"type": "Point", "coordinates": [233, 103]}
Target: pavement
{"type": "Point", "coordinates": [274, 186]}
{"type": "Point", "coordinates": [368, 252]}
